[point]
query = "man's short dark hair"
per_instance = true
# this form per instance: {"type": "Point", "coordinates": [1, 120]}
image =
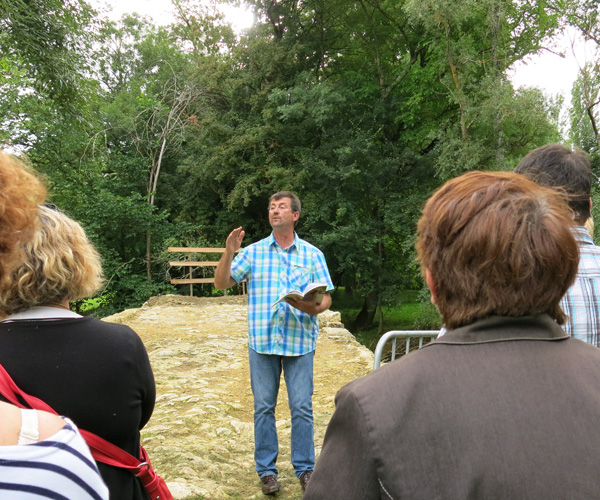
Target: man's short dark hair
{"type": "Point", "coordinates": [556, 166]}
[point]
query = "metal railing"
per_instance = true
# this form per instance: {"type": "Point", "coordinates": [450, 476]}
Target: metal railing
{"type": "Point", "coordinates": [408, 335]}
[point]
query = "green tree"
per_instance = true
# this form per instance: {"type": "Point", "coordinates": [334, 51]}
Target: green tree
{"type": "Point", "coordinates": [585, 111]}
{"type": "Point", "coordinates": [362, 108]}
{"type": "Point", "coordinates": [48, 39]}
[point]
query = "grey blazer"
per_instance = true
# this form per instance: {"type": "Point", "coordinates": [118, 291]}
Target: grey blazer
{"type": "Point", "coordinates": [505, 408]}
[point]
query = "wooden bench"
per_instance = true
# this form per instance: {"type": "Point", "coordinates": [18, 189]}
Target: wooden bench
{"type": "Point", "coordinates": [192, 264]}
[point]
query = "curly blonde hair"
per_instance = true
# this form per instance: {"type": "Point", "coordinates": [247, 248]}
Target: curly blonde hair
{"type": "Point", "coordinates": [20, 194]}
{"type": "Point", "coordinates": [59, 264]}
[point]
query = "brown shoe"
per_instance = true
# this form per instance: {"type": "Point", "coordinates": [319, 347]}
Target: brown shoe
{"type": "Point", "coordinates": [270, 486]}
{"type": "Point", "coordinates": [305, 478]}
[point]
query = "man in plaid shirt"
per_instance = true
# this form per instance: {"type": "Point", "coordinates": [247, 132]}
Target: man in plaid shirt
{"type": "Point", "coordinates": [281, 337]}
{"type": "Point", "coordinates": [556, 166]}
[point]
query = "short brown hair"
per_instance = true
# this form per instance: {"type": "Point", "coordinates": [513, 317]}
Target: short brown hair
{"type": "Point", "coordinates": [556, 166]}
{"type": "Point", "coordinates": [296, 206]}
{"type": "Point", "coordinates": [20, 193]}
{"type": "Point", "coordinates": [496, 243]}
{"type": "Point", "coordinates": [59, 263]}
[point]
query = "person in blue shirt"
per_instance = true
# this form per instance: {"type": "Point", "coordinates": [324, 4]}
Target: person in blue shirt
{"type": "Point", "coordinates": [281, 337]}
{"type": "Point", "coordinates": [556, 166]}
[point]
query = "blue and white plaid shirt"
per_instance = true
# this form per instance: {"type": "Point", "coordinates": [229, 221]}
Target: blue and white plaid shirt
{"type": "Point", "coordinates": [581, 303]}
{"type": "Point", "coordinates": [270, 272]}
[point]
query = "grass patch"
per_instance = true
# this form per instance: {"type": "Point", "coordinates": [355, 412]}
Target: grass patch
{"type": "Point", "coordinates": [411, 314]}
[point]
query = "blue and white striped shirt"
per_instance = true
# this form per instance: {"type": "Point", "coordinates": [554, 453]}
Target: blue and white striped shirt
{"type": "Point", "coordinates": [59, 468]}
{"type": "Point", "coordinates": [270, 272]}
{"type": "Point", "coordinates": [581, 303]}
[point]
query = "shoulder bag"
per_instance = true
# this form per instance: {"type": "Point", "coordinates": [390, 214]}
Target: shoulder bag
{"type": "Point", "coordinates": [102, 450]}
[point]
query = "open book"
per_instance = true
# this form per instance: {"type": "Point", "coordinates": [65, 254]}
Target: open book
{"type": "Point", "coordinates": [317, 289]}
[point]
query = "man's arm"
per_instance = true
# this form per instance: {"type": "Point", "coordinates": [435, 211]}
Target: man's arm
{"type": "Point", "coordinates": [223, 277]}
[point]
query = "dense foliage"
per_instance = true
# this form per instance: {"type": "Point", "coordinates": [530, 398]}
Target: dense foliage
{"type": "Point", "coordinates": [157, 136]}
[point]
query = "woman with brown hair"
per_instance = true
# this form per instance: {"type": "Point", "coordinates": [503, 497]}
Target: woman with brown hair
{"type": "Point", "coordinates": [504, 405]}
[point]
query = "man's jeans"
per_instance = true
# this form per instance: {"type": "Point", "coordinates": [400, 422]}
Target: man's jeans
{"type": "Point", "coordinates": [265, 373]}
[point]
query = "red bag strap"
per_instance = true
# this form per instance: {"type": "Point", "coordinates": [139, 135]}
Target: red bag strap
{"type": "Point", "coordinates": [102, 450]}
{"type": "Point", "coordinates": [10, 391]}
{"type": "Point", "coordinates": [106, 452]}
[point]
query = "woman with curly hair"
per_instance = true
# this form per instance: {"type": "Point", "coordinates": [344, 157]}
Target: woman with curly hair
{"type": "Point", "coordinates": [41, 455]}
{"type": "Point", "coordinates": [96, 373]}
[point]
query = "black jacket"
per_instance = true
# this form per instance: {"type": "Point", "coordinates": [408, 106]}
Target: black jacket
{"type": "Point", "coordinates": [96, 373]}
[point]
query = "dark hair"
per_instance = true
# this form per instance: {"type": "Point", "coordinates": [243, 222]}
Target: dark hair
{"type": "Point", "coordinates": [556, 166]}
{"type": "Point", "coordinates": [497, 244]}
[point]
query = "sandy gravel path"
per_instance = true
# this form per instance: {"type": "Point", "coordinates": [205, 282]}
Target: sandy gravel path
{"type": "Point", "coordinates": [200, 437]}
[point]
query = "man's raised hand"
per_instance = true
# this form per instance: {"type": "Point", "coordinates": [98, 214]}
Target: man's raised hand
{"type": "Point", "coordinates": [223, 279]}
{"type": "Point", "coordinates": [234, 240]}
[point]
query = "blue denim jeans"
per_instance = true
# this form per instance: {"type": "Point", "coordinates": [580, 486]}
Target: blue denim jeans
{"type": "Point", "coordinates": [265, 374]}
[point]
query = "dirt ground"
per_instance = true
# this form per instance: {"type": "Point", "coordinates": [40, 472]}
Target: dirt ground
{"type": "Point", "coordinates": [200, 437]}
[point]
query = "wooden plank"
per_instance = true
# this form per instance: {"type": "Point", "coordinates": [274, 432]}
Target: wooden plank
{"type": "Point", "coordinates": [201, 263]}
{"type": "Point", "coordinates": [192, 281]}
{"type": "Point", "coordinates": [185, 281]}
{"type": "Point", "coordinates": [195, 250]}
{"type": "Point", "coordinates": [192, 264]}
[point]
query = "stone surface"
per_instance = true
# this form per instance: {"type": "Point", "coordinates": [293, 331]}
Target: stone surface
{"type": "Point", "coordinates": [200, 437]}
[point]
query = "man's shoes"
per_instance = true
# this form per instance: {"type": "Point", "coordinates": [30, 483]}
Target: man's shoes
{"type": "Point", "coordinates": [269, 485]}
{"type": "Point", "coordinates": [304, 478]}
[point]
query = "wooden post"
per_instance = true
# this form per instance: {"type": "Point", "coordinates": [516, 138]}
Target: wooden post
{"type": "Point", "coordinates": [191, 271]}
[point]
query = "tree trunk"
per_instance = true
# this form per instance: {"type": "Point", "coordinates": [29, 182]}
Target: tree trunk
{"type": "Point", "coordinates": [148, 266]}
{"type": "Point", "coordinates": [152, 186]}
{"type": "Point", "coordinates": [364, 319]}
{"type": "Point", "coordinates": [497, 16]}
{"type": "Point", "coordinates": [380, 315]}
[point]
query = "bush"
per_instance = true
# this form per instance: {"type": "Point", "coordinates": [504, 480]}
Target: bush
{"type": "Point", "coordinates": [427, 317]}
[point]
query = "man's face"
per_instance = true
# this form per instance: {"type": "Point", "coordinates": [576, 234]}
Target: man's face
{"type": "Point", "coordinates": [281, 215]}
